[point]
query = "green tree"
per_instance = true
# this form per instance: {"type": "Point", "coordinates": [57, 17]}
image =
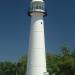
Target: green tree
{"type": "Point", "coordinates": [66, 62]}
{"type": "Point", "coordinates": [21, 66]}
{"type": "Point", "coordinates": [7, 68]}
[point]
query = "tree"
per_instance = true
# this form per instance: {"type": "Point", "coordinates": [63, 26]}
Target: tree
{"type": "Point", "coordinates": [21, 65]}
{"type": "Point", "coordinates": [66, 62]}
{"type": "Point", "coordinates": [60, 64]}
{"type": "Point", "coordinates": [7, 68]}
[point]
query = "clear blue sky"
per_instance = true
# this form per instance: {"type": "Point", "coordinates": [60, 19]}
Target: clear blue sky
{"type": "Point", "coordinates": [15, 26]}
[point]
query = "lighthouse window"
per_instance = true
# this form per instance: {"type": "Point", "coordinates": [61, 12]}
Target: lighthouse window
{"type": "Point", "coordinates": [41, 22]}
{"type": "Point", "coordinates": [37, 7]}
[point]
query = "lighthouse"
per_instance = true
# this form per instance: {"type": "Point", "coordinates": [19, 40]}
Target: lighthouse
{"type": "Point", "coordinates": [36, 58]}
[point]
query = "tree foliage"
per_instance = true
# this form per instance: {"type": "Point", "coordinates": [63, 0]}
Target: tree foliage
{"type": "Point", "coordinates": [58, 64]}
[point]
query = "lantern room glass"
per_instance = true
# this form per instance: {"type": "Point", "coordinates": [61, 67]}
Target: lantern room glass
{"type": "Point", "coordinates": [37, 6]}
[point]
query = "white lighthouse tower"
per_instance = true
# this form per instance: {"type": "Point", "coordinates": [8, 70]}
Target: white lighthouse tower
{"type": "Point", "coordinates": [36, 63]}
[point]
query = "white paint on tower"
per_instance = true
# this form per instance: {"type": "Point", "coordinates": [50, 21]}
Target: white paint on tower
{"type": "Point", "coordinates": [36, 63]}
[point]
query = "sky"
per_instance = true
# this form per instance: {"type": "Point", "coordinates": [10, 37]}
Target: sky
{"type": "Point", "coordinates": [15, 27]}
